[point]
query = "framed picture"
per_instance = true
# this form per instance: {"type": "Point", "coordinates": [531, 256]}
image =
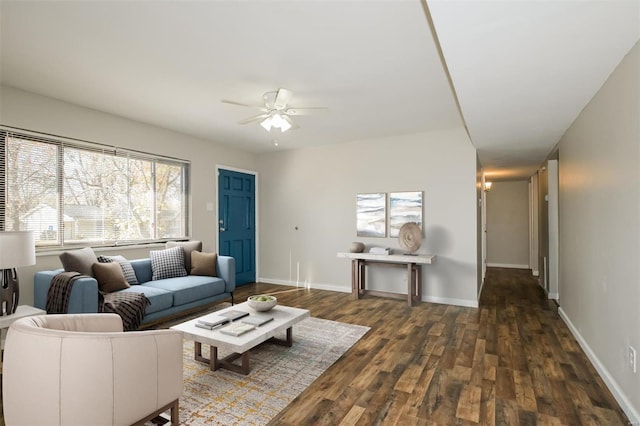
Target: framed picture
{"type": "Point", "coordinates": [404, 207]}
{"type": "Point", "coordinates": [371, 215]}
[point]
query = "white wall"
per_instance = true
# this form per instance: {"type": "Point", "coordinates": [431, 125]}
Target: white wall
{"type": "Point", "coordinates": [315, 190]}
{"type": "Point", "coordinates": [42, 114]}
{"type": "Point", "coordinates": [600, 229]}
{"type": "Point", "coordinates": [508, 224]}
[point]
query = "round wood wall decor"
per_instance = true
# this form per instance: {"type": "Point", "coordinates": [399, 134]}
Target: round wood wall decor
{"type": "Point", "coordinates": [410, 237]}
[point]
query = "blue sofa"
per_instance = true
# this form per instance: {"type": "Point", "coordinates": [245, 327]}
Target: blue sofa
{"type": "Point", "coordinates": [168, 297]}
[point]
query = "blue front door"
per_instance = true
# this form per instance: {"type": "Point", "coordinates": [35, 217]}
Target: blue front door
{"type": "Point", "coordinates": [237, 222]}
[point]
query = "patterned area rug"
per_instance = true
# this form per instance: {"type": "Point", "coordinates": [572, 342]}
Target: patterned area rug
{"type": "Point", "coordinates": [278, 374]}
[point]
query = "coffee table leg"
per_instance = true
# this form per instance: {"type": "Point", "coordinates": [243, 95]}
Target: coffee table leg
{"type": "Point", "coordinates": [286, 342]}
{"type": "Point", "coordinates": [245, 363]}
{"type": "Point", "coordinates": [197, 355]}
{"type": "Point", "coordinates": [227, 362]}
{"type": "Point", "coordinates": [215, 362]}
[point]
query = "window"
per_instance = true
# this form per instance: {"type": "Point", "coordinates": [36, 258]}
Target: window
{"type": "Point", "coordinates": [77, 193]}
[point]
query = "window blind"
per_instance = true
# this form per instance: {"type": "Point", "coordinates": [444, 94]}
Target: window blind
{"type": "Point", "coordinates": [72, 192]}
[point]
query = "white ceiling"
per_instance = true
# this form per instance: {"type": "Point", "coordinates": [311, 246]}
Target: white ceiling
{"type": "Point", "coordinates": [522, 70]}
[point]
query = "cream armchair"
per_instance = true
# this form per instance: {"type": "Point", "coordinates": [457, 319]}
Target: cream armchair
{"type": "Point", "coordinates": [83, 370]}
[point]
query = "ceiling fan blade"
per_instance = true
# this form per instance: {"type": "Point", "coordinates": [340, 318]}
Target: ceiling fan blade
{"type": "Point", "coordinates": [226, 101]}
{"type": "Point", "coordinates": [306, 111]}
{"type": "Point", "coordinates": [282, 98]}
{"type": "Point", "coordinates": [293, 124]}
{"type": "Point", "coordinates": [254, 118]}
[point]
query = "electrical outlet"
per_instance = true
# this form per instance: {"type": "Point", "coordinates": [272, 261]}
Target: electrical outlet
{"type": "Point", "coordinates": [632, 358]}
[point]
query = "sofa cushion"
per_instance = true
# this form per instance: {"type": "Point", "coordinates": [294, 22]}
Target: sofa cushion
{"type": "Point", "coordinates": [187, 247]}
{"type": "Point", "coordinates": [127, 269]}
{"type": "Point", "coordinates": [167, 263]}
{"type": "Point", "coordinates": [189, 289]}
{"type": "Point", "coordinates": [159, 299]}
{"type": "Point", "coordinates": [110, 277]}
{"type": "Point", "coordinates": [142, 268]}
{"type": "Point", "coordinates": [81, 260]}
{"type": "Point", "coordinates": [203, 263]}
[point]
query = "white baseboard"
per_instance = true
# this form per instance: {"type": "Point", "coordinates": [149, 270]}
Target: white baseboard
{"type": "Point", "coordinates": [343, 289]}
{"type": "Point", "coordinates": [631, 411]}
{"type": "Point", "coordinates": [535, 273]}
{"type": "Point", "coordinates": [507, 265]}
{"type": "Point", "coordinates": [554, 296]}
{"type": "Point", "coordinates": [447, 301]}
{"type": "Point", "coordinates": [330, 287]}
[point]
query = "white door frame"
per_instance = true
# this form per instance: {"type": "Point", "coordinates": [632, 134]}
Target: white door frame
{"type": "Point", "coordinates": [553, 206]}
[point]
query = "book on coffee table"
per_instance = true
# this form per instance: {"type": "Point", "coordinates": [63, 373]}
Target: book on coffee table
{"type": "Point", "coordinates": [212, 320]}
{"type": "Point", "coordinates": [257, 321]}
{"type": "Point", "coordinates": [209, 327]}
{"type": "Point", "coordinates": [233, 314]}
{"type": "Point", "coordinates": [237, 328]}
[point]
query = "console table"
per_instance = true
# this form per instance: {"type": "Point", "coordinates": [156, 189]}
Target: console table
{"type": "Point", "coordinates": [413, 264]}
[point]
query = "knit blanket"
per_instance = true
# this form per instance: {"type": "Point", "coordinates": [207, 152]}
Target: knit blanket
{"type": "Point", "coordinates": [60, 291]}
{"type": "Point", "coordinates": [129, 306]}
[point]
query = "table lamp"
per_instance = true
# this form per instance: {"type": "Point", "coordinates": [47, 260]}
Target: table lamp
{"type": "Point", "coordinates": [17, 248]}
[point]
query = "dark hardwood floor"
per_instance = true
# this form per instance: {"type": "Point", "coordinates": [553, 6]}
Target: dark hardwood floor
{"type": "Point", "coordinates": [512, 361]}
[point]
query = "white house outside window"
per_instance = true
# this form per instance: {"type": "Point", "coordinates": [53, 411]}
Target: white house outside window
{"type": "Point", "coordinates": [89, 194]}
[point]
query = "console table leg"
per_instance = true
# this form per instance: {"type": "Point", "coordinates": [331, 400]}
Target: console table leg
{"type": "Point", "coordinates": [419, 281]}
{"type": "Point", "coordinates": [362, 279]}
{"type": "Point", "coordinates": [355, 278]}
{"type": "Point", "coordinates": [410, 284]}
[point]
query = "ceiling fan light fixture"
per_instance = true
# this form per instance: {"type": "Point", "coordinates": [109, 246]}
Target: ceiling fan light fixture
{"type": "Point", "coordinates": [267, 123]}
{"type": "Point", "coordinates": [276, 121]}
{"type": "Point", "coordinates": [276, 111]}
{"type": "Point", "coordinates": [284, 126]}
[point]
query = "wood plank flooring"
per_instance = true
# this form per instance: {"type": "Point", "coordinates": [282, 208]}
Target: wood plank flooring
{"type": "Point", "coordinates": [513, 361]}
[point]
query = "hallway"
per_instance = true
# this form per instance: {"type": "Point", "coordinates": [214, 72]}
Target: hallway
{"type": "Point", "coordinates": [540, 366]}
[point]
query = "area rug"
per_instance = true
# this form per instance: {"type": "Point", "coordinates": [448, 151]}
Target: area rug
{"type": "Point", "coordinates": [278, 374]}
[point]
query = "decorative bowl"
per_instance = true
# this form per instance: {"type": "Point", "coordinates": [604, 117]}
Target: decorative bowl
{"type": "Point", "coordinates": [262, 302]}
{"type": "Point", "coordinates": [356, 247]}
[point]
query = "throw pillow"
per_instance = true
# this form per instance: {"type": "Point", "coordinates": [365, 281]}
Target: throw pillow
{"type": "Point", "coordinates": [188, 247]}
{"type": "Point", "coordinates": [110, 277]}
{"type": "Point", "coordinates": [203, 263]}
{"type": "Point", "coordinates": [127, 269]}
{"type": "Point", "coordinates": [79, 261]}
{"type": "Point", "coordinates": [167, 263]}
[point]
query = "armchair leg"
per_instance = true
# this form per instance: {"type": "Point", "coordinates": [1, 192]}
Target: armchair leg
{"type": "Point", "coordinates": [175, 414]}
{"type": "Point", "coordinates": [158, 418]}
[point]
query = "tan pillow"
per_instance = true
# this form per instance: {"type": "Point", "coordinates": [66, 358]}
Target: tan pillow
{"type": "Point", "coordinates": [79, 261]}
{"type": "Point", "coordinates": [188, 247]}
{"type": "Point", "coordinates": [203, 263]}
{"type": "Point", "coordinates": [110, 277]}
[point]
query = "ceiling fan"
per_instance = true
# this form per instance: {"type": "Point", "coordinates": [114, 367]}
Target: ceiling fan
{"type": "Point", "coordinates": [276, 111]}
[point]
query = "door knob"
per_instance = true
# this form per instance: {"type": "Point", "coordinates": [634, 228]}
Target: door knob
{"type": "Point", "coordinates": [222, 229]}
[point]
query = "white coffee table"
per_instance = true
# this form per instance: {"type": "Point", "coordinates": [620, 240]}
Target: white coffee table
{"type": "Point", "coordinates": [284, 317]}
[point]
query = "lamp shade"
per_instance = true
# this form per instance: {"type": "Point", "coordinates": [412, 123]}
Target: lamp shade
{"type": "Point", "coordinates": [17, 248]}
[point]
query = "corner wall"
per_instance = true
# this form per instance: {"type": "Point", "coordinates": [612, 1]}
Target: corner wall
{"type": "Point", "coordinates": [307, 207]}
{"type": "Point", "coordinates": [600, 230]}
